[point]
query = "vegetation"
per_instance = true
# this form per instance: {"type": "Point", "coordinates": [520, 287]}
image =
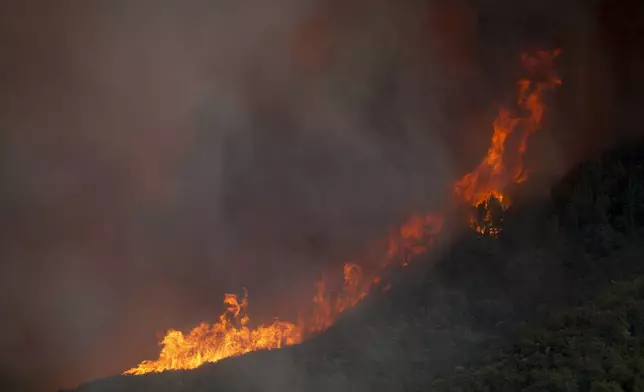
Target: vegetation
{"type": "Point", "coordinates": [515, 311]}
{"type": "Point", "coordinates": [565, 337]}
{"type": "Point", "coordinates": [595, 347]}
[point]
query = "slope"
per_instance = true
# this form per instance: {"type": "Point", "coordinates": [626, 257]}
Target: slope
{"type": "Point", "coordinates": [458, 308]}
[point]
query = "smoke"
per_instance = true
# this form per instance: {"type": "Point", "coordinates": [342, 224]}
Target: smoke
{"type": "Point", "coordinates": [156, 154]}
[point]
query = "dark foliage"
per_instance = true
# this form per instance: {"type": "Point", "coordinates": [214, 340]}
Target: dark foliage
{"type": "Point", "coordinates": [562, 336]}
{"type": "Point", "coordinates": [595, 347]}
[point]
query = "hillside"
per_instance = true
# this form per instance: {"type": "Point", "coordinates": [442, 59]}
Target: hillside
{"type": "Point", "coordinates": [598, 346]}
{"type": "Point", "coordinates": [482, 311]}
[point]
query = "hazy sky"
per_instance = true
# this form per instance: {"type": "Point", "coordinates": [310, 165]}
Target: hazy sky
{"type": "Point", "coordinates": [156, 154]}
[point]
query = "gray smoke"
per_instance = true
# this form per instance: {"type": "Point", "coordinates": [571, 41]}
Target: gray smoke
{"type": "Point", "coordinates": [156, 154]}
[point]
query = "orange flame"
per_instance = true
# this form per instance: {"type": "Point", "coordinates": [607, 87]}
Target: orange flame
{"type": "Point", "coordinates": [491, 176]}
{"type": "Point", "coordinates": [414, 237]}
{"type": "Point", "coordinates": [326, 308]}
{"type": "Point", "coordinates": [231, 335]}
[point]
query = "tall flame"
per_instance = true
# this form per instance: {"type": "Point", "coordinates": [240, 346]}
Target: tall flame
{"type": "Point", "coordinates": [231, 335]}
{"type": "Point", "coordinates": [491, 176]}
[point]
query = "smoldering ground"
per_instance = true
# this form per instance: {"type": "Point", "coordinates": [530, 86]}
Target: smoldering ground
{"type": "Point", "coordinates": [156, 154]}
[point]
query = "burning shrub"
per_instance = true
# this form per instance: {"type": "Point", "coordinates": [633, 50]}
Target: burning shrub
{"type": "Point", "coordinates": [488, 216]}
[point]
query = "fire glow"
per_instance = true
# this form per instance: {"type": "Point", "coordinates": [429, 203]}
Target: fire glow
{"type": "Point", "coordinates": [232, 336]}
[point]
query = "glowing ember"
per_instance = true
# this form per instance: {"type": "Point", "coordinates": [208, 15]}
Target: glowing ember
{"type": "Point", "coordinates": [481, 188]}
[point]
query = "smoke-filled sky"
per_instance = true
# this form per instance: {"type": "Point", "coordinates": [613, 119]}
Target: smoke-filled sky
{"type": "Point", "coordinates": [156, 154]}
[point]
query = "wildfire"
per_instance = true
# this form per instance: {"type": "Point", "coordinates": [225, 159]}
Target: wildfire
{"type": "Point", "coordinates": [482, 188]}
{"type": "Point", "coordinates": [228, 337]}
{"type": "Point", "coordinates": [327, 307]}
{"type": "Point", "coordinates": [414, 237]}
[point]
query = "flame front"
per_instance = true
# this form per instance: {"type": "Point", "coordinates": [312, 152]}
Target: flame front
{"type": "Point", "coordinates": [230, 336]}
{"type": "Point", "coordinates": [483, 188]}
